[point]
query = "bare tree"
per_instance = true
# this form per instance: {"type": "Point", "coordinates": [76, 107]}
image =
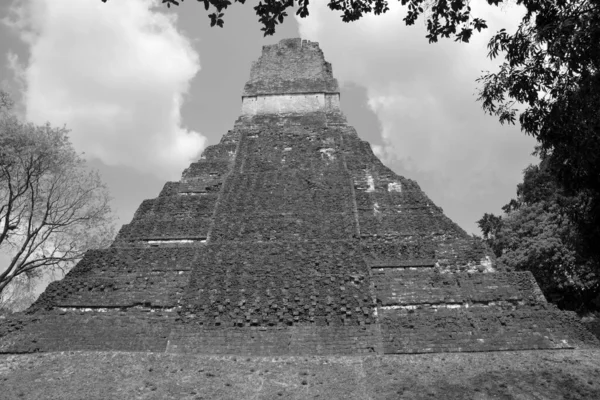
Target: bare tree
{"type": "Point", "coordinates": [18, 295]}
{"type": "Point", "coordinates": [52, 207]}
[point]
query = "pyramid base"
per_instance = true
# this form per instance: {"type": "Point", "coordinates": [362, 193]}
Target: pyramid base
{"type": "Point", "coordinates": [424, 331]}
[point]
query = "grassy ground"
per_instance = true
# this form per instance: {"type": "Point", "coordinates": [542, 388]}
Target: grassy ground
{"type": "Point", "coordinates": [564, 374]}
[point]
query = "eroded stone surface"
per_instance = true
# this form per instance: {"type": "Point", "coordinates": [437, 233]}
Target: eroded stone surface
{"type": "Point", "coordinates": [291, 66]}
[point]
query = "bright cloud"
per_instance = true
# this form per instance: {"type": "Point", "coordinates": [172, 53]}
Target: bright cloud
{"type": "Point", "coordinates": [115, 74]}
{"type": "Point", "coordinates": [432, 128]}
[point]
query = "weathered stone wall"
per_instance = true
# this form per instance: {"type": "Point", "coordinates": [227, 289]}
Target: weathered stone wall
{"type": "Point", "coordinates": [429, 330]}
{"type": "Point", "coordinates": [279, 284]}
{"type": "Point", "coordinates": [291, 66]}
{"type": "Point", "coordinates": [411, 287]}
{"type": "Point", "coordinates": [290, 103]}
{"type": "Point", "coordinates": [180, 216]}
{"type": "Point", "coordinates": [86, 329]}
{"type": "Point", "coordinates": [124, 277]}
{"type": "Point", "coordinates": [295, 340]}
{"type": "Point", "coordinates": [184, 211]}
{"type": "Point", "coordinates": [289, 184]}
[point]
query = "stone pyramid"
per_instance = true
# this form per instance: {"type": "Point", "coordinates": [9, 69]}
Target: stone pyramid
{"type": "Point", "coordinates": [291, 237]}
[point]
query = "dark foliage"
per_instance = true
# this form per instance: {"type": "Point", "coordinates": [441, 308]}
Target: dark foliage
{"type": "Point", "coordinates": [551, 67]}
{"type": "Point", "coordinates": [445, 19]}
{"type": "Point", "coordinates": [539, 233]}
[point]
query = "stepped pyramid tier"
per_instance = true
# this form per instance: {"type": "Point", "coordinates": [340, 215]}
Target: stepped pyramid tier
{"type": "Point", "coordinates": [291, 237]}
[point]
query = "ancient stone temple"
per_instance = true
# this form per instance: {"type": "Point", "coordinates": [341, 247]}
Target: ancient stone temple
{"type": "Point", "coordinates": [291, 237]}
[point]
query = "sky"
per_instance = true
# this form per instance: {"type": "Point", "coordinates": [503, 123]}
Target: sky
{"type": "Point", "coordinates": [144, 89]}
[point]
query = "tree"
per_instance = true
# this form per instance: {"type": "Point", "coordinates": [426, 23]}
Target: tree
{"type": "Point", "coordinates": [490, 226]}
{"type": "Point", "coordinates": [18, 295]}
{"type": "Point", "coordinates": [445, 17]}
{"type": "Point", "coordinates": [553, 52]}
{"type": "Point", "coordinates": [570, 140]}
{"type": "Point", "coordinates": [52, 208]}
{"type": "Point", "coordinates": [537, 234]}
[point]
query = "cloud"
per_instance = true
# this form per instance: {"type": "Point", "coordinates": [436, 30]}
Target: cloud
{"type": "Point", "coordinates": [116, 74]}
{"type": "Point", "coordinates": [432, 128]}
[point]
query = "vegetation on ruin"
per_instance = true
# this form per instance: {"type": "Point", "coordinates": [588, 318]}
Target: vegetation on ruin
{"type": "Point", "coordinates": [553, 228]}
{"type": "Point", "coordinates": [539, 233]}
{"type": "Point", "coordinates": [52, 207]}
